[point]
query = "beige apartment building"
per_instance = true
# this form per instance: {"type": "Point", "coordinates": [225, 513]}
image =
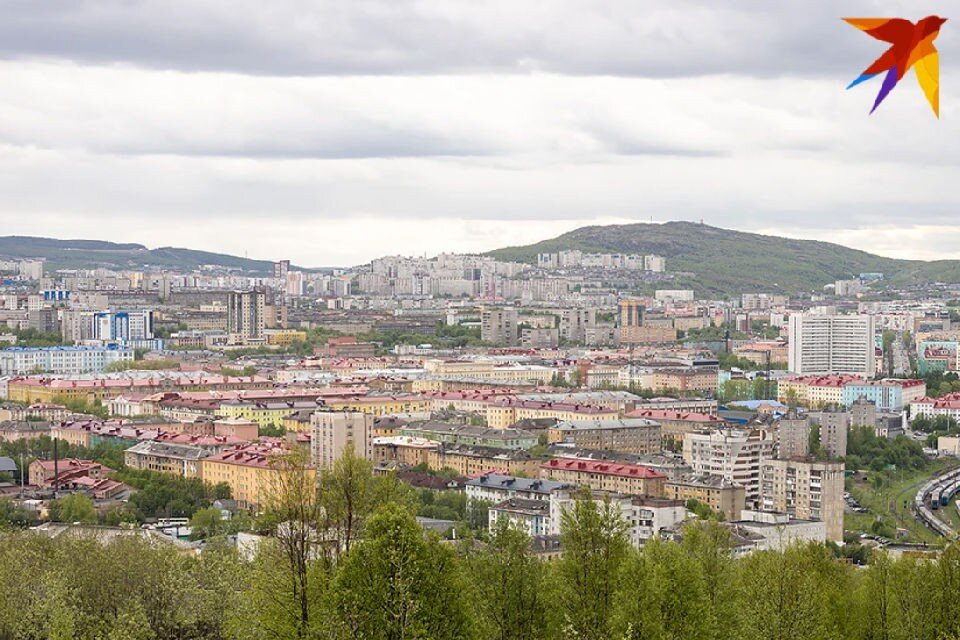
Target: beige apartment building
{"type": "Point", "coordinates": [332, 432]}
{"type": "Point", "coordinates": [719, 494]}
{"type": "Point", "coordinates": [605, 476]}
{"type": "Point", "coordinates": [806, 490]}
{"type": "Point", "coordinates": [631, 435]}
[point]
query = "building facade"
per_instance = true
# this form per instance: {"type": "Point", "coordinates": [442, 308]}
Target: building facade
{"type": "Point", "coordinates": [832, 344]}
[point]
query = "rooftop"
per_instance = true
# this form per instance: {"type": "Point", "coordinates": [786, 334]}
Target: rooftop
{"type": "Point", "coordinates": [602, 468]}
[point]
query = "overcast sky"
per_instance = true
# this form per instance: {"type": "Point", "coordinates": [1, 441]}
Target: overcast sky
{"type": "Point", "coordinates": [333, 132]}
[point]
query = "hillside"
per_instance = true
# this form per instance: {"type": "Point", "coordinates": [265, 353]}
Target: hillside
{"type": "Point", "coordinates": [724, 262]}
{"type": "Point", "coordinates": [89, 254]}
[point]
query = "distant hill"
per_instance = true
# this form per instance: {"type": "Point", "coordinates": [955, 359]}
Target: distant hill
{"type": "Point", "coordinates": [89, 254]}
{"type": "Point", "coordinates": [724, 262]}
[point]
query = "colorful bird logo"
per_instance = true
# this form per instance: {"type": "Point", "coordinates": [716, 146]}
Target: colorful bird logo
{"type": "Point", "coordinates": [912, 46]}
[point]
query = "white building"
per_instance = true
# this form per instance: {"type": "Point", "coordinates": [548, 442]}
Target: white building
{"type": "Point", "coordinates": [644, 516]}
{"type": "Point", "coordinates": [495, 487]}
{"type": "Point", "coordinates": [122, 326]}
{"type": "Point", "coordinates": [777, 531]}
{"type": "Point", "coordinates": [673, 295]}
{"type": "Point", "coordinates": [736, 455]}
{"type": "Point", "coordinates": [832, 344]}
{"type": "Point", "coordinates": [60, 360]}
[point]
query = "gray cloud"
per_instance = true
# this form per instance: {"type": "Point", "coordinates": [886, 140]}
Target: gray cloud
{"type": "Point", "coordinates": [650, 38]}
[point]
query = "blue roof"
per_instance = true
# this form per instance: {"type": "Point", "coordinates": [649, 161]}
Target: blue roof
{"type": "Point", "coordinates": [755, 404]}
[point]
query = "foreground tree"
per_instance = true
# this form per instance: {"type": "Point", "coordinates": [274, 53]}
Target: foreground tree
{"type": "Point", "coordinates": [397, 585]}
{"type": "Point", "coordinates": [594, 541]}
{"type": "Point", "coordinates": [285, 586]}
{"type": "Point", "coordinates": [509, 584]}
{"type": "Point", "coordinates": [663, 595]}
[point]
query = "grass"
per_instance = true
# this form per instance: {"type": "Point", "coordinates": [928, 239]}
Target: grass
{"type": "Point", "coordinates": [892, 504]}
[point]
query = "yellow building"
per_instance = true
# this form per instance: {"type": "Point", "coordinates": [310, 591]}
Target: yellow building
{"type": "Point", "coordinates": [298, 420]}
{"type": "Point", "coordinates": [284, 337]}
{"type": "Point", "coordinates": [490, 371]}
{"type": "Point", "coordinates": [250, 471]}
{"type": "Point", "coordinates": [508, 411]}
{"type": "Point", "coordinates": [381, 405]}
{"type": "Point", "coordinates": [469, 460]}
{"type": "Point", "coordinates": [813, 391]}
{"type": "Point", "coordinates": [266, 413]}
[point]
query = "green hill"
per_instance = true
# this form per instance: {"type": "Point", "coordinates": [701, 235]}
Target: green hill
{"type": "Point", "coordinates": [90, 254]}
{"type": "Point", "coordinates": [724, 262]}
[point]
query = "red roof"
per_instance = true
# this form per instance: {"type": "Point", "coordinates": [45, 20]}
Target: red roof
{"type": "Point", "coordinates": [825, 381]}
{"type": "Point", "coordinates": [604, 468]}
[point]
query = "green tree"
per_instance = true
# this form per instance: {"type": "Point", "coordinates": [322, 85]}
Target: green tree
{"type": "Point", "coordinates": [663, 594]}
{"type": "Point", "coordinates": [75, 507]}
{"type": "Point", "coordinates": [396, 585]}
{"type": "Point", "coordinates": [509, 581]}
{"type": "Point", "coordinates": [294, 565]}
{"type": "Point", "coordinates": [206, 523]}
{"type": "Point", "coordinates": [349, 493]}
{"type": "Point", "coordinates": [595, 544]}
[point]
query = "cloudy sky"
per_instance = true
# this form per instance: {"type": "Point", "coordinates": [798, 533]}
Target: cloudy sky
{"type": "Point", "coordinates": [334, 132]}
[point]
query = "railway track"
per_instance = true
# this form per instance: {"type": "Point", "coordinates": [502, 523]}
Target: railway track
{"type": "Point", "coordinates": [934, 496]}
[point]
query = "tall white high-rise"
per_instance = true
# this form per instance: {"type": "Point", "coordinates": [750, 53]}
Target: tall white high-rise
{"type": "Point", "coordinates": [832, 344]}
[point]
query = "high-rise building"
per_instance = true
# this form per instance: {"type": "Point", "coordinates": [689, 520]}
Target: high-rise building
{"type": "Point", "coordinates": [832, 344]}
{"type": "Point", "coordinates": [498, 325]}
{"type": "Point", "coordinates": [794, 437]}
{"type": "Point", "coordinates": [122, 326]}
{"type": "Point", "coordinates": [281, 268]}
{"type": "Point", "coordinates": [245, 316]}
{"type": "Point", "coordinates": [834, 425]}
{"type": "Point", "coordinates": [295, 284]}
{"type": "Point", "coordinates": [574, 324]}
{"type": "Point", "coordinates": [630, 312]}
{"type": "Point", "coordinates": [332, 432]}
{"type": "Point", "coordinates": [733, 454]}
{"type": "Point", "coordinates": [44, 320]}
{"type": "Point", "coordinates": [805, 490]}
{"type": "Point", "coordinates": [863, 413]}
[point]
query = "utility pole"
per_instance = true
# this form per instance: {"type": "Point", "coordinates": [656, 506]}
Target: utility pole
{"type": "Point", "coordinates": [56, 469]}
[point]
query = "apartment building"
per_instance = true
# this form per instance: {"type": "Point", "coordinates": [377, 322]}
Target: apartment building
{"type": "Point", "coordinates": [16, 361]}
{"type": "Point", "coordinates": [250, 471]}
{"type": "Point", "coordinates": [718, 493]}
{"type": "Point", "coordinates": [605, 476]}
{"type": "Point", "coordinates": [805, 490]}
{"type": "Point", "coordinates": [733, 454]}
{"type": "Point", "coordinates": [834, 426]}
{"type": "Point", "coordinates": [674, 425]}
{"type": "Point", "coordinates": [508, 411]}
{"type": "Point", "coordinates": [333, 432]}
{"type": "Point", "coordinates": [469, 434]}
{"type": "Point", "coordinates": [499, 325]}
{"type": "Point", "coordinates": [631, 435]}
{"type": "Point", "coordinates": [793, 436]}
{"type": "Point", "coordinates": [889, 395]}
{"type": "Point", "coordinates": [832, 344]}
{"type": "Point", "coordinates": [176, 459]}
{"type": "Point", "coordinates": [496, 487]}
{"type": "Point", "coordinates": [122, 326]}
{"type": "Point", "coordinates": [246, 316]}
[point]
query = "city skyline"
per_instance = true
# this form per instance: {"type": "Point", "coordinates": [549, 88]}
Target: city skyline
{"type": "Point", "coordinates": [462, 128]}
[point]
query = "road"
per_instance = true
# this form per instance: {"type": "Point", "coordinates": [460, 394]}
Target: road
{"type": "Point", "coordinates": [901, 358]}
